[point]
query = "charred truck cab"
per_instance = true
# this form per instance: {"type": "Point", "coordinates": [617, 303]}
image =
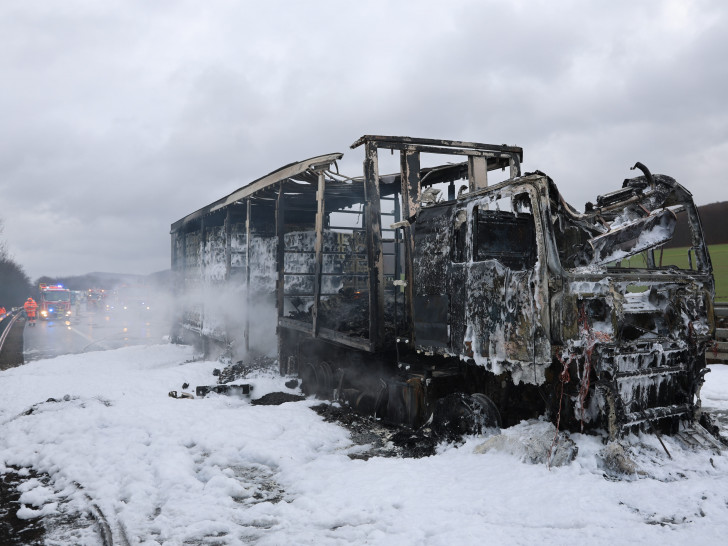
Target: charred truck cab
{"type": "Point", "coordinates": [496, 304]}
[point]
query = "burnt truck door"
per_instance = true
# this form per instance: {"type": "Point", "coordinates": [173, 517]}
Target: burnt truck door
{"type": "Point", "coordinates": [432, 286]}
{"type": "Point", "coordinates": [497, 281]}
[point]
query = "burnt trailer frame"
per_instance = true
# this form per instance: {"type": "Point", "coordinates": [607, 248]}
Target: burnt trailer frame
{"type": "Point", "coordinates": [481, 307]}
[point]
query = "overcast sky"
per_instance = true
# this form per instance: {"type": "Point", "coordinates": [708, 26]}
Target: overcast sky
{"type": "Point", "coordinates": [117, 118]}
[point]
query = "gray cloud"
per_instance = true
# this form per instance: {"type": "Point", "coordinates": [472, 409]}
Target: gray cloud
{"type": "Point", "coordinates": [121, 117]}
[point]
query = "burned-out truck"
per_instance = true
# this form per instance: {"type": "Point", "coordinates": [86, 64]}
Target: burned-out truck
{"type": "Point", "coordinates": [457, 289]}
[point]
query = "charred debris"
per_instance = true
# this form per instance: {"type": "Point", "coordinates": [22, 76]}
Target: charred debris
{"type": "Point", "coordinates": [462, 291]}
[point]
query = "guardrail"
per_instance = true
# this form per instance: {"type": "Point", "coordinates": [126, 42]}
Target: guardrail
{"type": "Point", "coordinates": [6, 324]}
{"type": "Point", "coordinates": [719, 354]}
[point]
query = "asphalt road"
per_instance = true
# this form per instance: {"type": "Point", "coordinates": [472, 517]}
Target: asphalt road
{"type": "Point", "coordinates": [91, 330]}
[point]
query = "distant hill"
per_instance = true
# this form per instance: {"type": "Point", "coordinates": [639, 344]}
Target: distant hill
{"type": "Point", "coordinates": [109, 281]}
{"type": "Point", "coordinates": [713, 217]}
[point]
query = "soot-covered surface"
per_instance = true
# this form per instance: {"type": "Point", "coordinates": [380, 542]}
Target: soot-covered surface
{"type": "Point", "coordinates": [14, 530]}
{"type": "Point", "coordinates": [382, 440]}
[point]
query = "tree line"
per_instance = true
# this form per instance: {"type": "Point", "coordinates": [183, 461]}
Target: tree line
{"type": "Point", "coordinates": [15, 285]}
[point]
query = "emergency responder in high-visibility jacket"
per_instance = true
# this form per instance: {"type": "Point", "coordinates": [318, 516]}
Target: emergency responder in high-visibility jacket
{"type": "Point", "coordinates": [2, 311]}
{"type": "Point", "coordinates": [30, 306]}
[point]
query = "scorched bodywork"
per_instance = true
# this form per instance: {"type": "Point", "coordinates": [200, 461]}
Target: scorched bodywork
{"type": "Point", "coordinates": [496, 303]}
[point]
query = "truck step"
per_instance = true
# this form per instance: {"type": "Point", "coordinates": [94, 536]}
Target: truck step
{"type": "Point", "coordinates": [650, 372]}
{"type": "Point", "coordinates": [655, 414]}
{"type": "Point", "coordinates": [697, 437]}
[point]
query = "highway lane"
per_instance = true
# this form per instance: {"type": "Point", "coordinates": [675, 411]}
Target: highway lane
{"type": "Point", "coordinates": [91, 330]}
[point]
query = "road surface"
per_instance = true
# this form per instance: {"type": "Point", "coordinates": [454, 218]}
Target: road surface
{"type": "Point", "coordinates": [93, 331]}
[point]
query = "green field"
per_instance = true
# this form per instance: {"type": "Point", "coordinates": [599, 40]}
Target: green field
{"type": "Point", "coordinates": [679, 257]}
{"type": "Point", "coordinates": [719, 259]}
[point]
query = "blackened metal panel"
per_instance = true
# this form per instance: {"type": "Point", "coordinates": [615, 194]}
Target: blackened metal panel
{"type": "Point", "coordinates": [432, 250]}
{"type": "Point", "coordinates": [458, 305]}
{"type": "Point", "coordinates": [173, 263]}
{"type": "Point", "coordinates": [505, 292]}
{"type": "Point", "coordinates": [500, 311]}
{"type": "Point", "coordinates": [431, 312]}
{"type": "Point", "coordinates": [202, 242]}
{"type": "Point", "coordinates": [431, 267]}
{"type": "Point", "coordinates": [228, 244]}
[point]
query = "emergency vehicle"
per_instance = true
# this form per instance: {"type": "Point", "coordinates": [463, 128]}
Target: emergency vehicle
{"type": "Point", "coordinates": [55, 301]}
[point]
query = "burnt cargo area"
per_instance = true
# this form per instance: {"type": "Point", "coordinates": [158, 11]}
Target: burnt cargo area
{"type": "Point", "coordinates": [456, 289]}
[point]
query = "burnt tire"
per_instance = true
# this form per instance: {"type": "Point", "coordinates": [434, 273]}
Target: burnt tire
{"type": "Point", "coordinates": [317, 379]}
{"type": "Point", "coordinates": [309, 379]}
{"type": "Point", "coordinates": [459, 414]}
{"type": "Point", "coordinates": [325, 380]}
{"type": "Point", "coordinates": [486, 412]}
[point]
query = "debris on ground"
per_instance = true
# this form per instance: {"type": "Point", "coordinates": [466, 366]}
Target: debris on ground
{"type": "Point", "coordinates": [533, 442]}
{"type": "Point", "coordinates": [708, 422]}
{"type": "Point", "coordinates": [617, 463]}
{"type": "Point", "coordinates": [379, 439]}
{"type": "Point", "coordinates": [175, 394]}
{"type": "Point", "coordinates": [277, 398]}
{"type": "Point", "coordinates": [33, 513]}
{"type": "Point", "coordinates": [14, 530]}
{"type": "Point", "coordinates": [242, 368]}
{"type": "Point", "coordinates": [230, 390]}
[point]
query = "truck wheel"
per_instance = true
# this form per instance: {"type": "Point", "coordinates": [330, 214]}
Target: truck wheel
{"type": "Point", "coordinates": [317, 379]}
{"type": "Point", "coordinates": [458, 413]}
{"type": "Point", "coordinates": [486, 411]}
{"type": "Point", "coordinates": [309, 380]}
{"type": "Point", "coordinates": [325, 380]}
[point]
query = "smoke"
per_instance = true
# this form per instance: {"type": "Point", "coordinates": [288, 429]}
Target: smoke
{"type": "Point", "coordinates": [224, 313]}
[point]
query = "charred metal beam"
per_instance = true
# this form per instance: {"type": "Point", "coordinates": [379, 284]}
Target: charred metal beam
{"type": "Point", "coordinates": [346, 340]}
{"type": "Point", "coordinates": [318, 251]}
{"type": "Point", "coordinates": [410, 175]}
{"type": "Point", "coordinates": [228, 243]}
{"type": "Point", "coordinates": [281, 248]}
{"type": "Point", "coordinates": [515, 166]}
{"type": "Point", "coordinates": [293, 324]}
{"type": "Point", "coordinates": [247, 273]}
{"type": "Point", "coordinates": [184, 256]}
{"type": "Point", "coordinates": [630, 238]}
{"type": "Point", "coordinates": [291, 170]}
{"type": "Point", "coordinates": [201, 260]}
{"type": "Point", "coordinates": [374, 245]}
{"type": "Point", "coordinates": [698, 241]}
{"type": "Point", "coordinates": [397, 254]}
{"type": "Point", "coordinates": [477, 173]}
{"type": "Point", "coordinates": [327, 334]}
{"type": "Point", "coordinates": [506, 156]}
{"type": "Point", "coordinates": [392, 142]}
{"type": "Point", "coordinates": [173, 250]}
